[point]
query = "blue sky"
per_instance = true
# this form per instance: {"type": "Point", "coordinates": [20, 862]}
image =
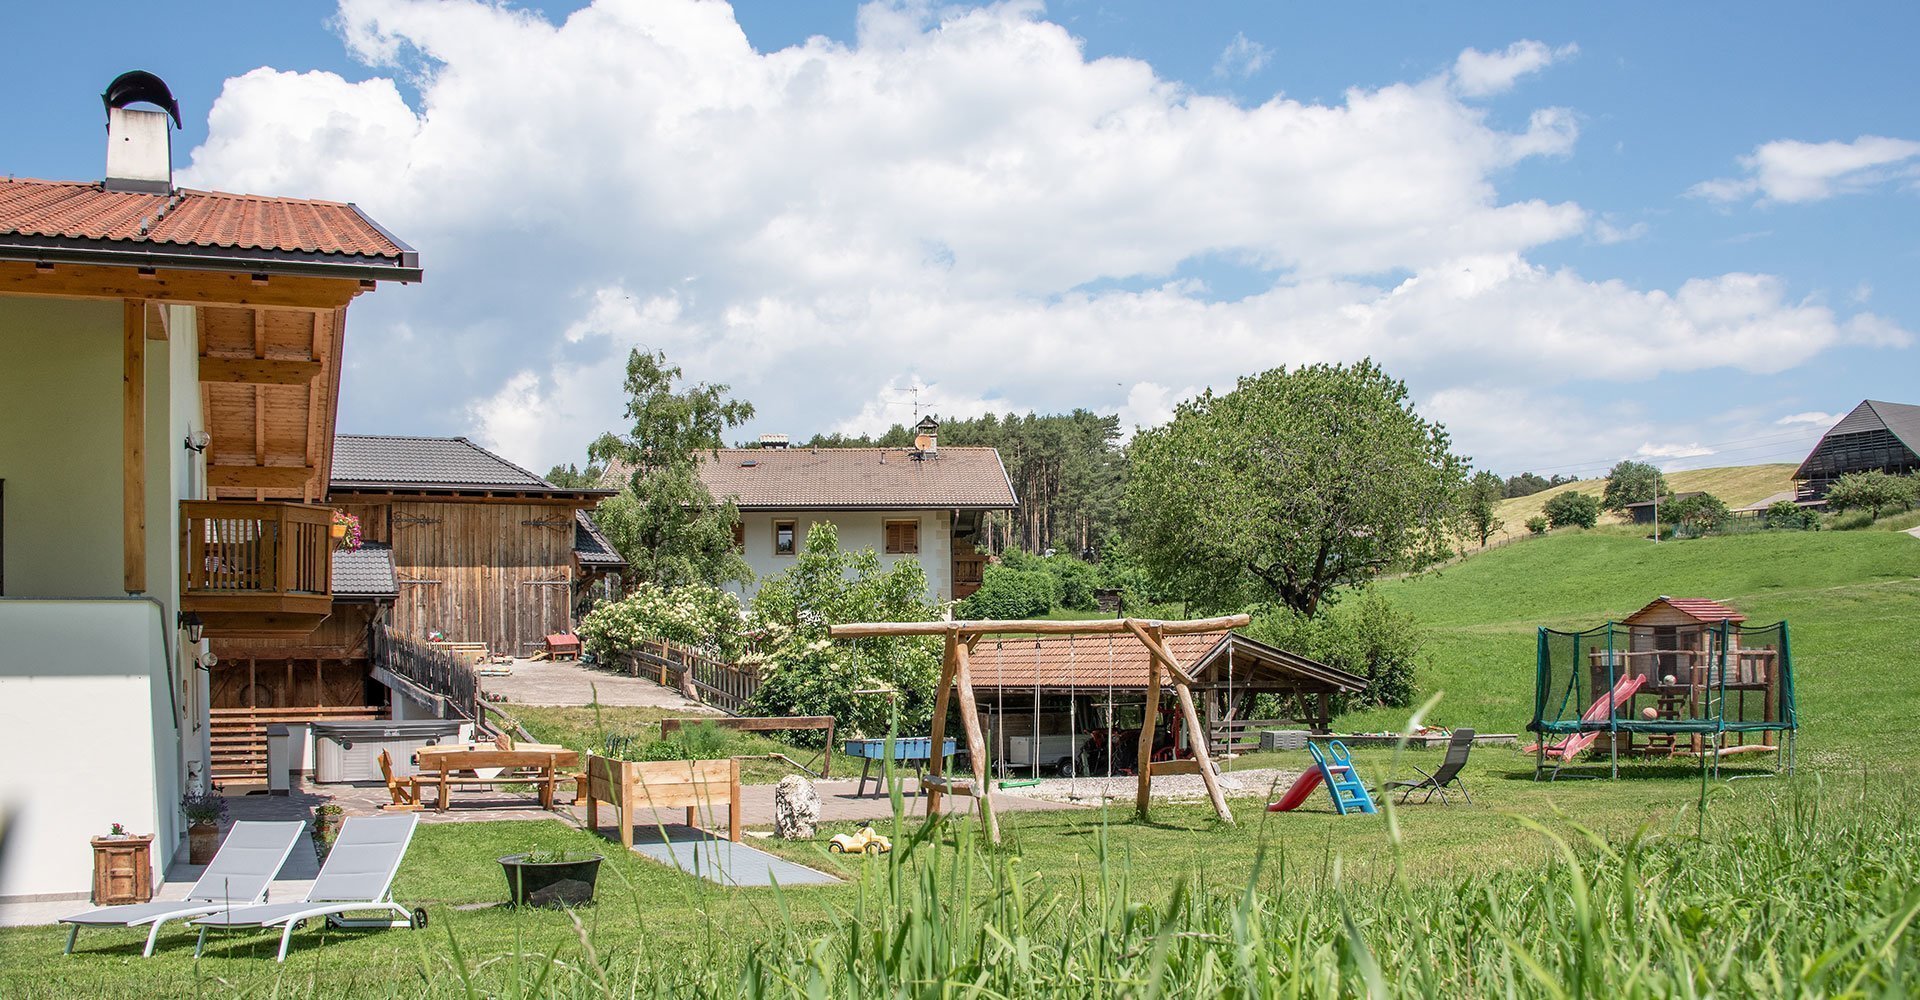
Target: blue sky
{"type": "Point", "coordinates": [1556, 237]}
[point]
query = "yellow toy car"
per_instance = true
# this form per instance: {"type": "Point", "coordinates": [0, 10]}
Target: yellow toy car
{"type": "Point", "coordinates": [861, 841]}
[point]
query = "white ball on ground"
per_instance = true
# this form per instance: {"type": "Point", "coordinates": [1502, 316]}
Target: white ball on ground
{"type": "Point", "coordinates": [1669, 679]}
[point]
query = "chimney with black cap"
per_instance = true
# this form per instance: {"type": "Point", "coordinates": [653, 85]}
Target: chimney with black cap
{"type": "Point", "coordinates": [139, 143]}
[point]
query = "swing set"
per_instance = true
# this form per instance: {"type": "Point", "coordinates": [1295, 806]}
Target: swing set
{"type": "Point", "coordinates": [957, 676]}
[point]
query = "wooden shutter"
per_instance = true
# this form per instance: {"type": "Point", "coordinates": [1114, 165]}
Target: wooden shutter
{"type": "Point", "coordinates": [903, 537]}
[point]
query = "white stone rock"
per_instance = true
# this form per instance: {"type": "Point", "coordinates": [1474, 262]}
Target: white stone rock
{"type": "Point", "coordinates": [796, 807]}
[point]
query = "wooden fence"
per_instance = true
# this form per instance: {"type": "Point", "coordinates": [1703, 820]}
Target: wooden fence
{"type": "Point", "coordinates": [704, 679]}
{"type": "Point", "coordinates": [239, 736]}
{"type": "Point", "coordinates": [435, 670]}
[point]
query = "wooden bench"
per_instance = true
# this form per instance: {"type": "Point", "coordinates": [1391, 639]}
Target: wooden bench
{"type": "Point", "coordinates": [544, 767]}
{"type": "Point", "coordinates": [627, 785]}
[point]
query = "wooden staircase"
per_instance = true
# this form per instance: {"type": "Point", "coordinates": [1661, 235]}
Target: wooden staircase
{"type": "Point", "coordinates": [239, 736]}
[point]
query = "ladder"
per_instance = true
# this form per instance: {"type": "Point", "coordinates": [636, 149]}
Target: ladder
{"type": "Point", "coordinates": [1343, 783]}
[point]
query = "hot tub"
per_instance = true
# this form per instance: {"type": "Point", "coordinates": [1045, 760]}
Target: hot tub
{"type": "Point", "coordinates": [350, 751]}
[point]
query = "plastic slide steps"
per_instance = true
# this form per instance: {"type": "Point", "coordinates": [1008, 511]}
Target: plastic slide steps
{"type": "Point", "coordinates": [1334, 769]}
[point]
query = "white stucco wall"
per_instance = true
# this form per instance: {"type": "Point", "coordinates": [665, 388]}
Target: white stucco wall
{"type": "Point", "coordinates": [60, 447]}
{"type": "Point", "coordinates": [86, 682]}
{"type": "Point", "coordinates": [858, 530]}
{"type": "Point", "coordinates": [76, 733]}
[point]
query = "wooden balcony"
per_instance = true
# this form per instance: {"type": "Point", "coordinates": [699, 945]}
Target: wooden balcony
{"type": "Point", "coordinates": [968, 571]}
{"type": "Point", "coordinates": [256, 570]}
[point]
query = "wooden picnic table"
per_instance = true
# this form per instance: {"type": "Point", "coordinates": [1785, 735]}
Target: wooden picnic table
{"type": "Point", "coordinates": [542, 765]}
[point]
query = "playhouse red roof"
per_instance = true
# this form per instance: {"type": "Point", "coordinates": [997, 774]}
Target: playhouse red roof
{"type": "Point", "coordinates": [1697, 608]}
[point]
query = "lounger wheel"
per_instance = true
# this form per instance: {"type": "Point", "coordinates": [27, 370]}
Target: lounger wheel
{"type": "Point", "coordinates": [419, 920]}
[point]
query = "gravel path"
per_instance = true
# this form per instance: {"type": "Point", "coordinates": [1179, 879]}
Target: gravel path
{"type": "Point", "coordinates": [1167, 787]}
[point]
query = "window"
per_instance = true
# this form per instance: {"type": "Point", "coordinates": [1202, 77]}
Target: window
{"type": "Point", "coordinates": [902, 538]}
{"type": "Point", "coordinates": [783, 538]}
{"type": "Point", "coordinates": [739, 536]}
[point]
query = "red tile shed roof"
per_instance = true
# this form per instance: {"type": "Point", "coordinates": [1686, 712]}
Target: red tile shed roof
{"type": "Point", "coordinates": [857, 478]}
{"type": "Point", "coordinates": [1090, 662]}
{"type": "Point", "coordinates": [1698, 608]}
{"type": "Point", "coordinates": [74, 211]}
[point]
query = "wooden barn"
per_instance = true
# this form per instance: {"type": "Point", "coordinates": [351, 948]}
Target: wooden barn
{"type": "Point", "coordinates": [1875, 436]}
{"type": "Point", "coordinates": [483, 550]}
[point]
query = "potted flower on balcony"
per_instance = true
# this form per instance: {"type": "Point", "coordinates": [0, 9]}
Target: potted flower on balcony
{"type": "Point", "coordinates": [545, 877]}
{"type": "Point", "coordinates": [204, 811]}
{"type": "Point", "coordinates": [346, 531]}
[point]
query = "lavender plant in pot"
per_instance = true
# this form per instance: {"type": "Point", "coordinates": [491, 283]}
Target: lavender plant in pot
{"type": "Point", "coordinates": [204, 811]}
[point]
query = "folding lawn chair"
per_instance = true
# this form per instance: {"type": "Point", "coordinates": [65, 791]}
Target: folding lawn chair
{"type": "Point", "coordinates": [358, 875]}
{"type": "Point", "coordinates": [239, 875]}
{"type": "Point", "coordinates": [1458, 747]}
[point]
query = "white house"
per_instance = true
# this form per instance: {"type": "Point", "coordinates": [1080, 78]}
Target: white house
{"type": "Point", "coordinates": [167, 396]}
{"type": "Point", "coordinates": [924, 503]}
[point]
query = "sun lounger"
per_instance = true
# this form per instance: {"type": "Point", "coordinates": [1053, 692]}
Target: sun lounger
{"type": "Point", "coordinates": [1447, 775]}
{"type": "Point", "coordinates": [357, 876]}
{"type": "Point", "coordinates": [239, 875]}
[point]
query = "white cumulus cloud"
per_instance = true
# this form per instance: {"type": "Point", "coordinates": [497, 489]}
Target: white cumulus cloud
{"type": "Point", "coordinates": [1481, 74]}
{"type": "Point", "coordinates": [1788, 170]}
{"type": "Point", "coordinates": [960, 200]}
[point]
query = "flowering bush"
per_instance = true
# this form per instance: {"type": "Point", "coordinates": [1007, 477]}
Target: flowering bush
{"type": "Point", "coordinates": [706, 618]}
{"type": "Point", "coordinates": [351, 522]}
{"type": "Point", "coordinates": [805, 673]}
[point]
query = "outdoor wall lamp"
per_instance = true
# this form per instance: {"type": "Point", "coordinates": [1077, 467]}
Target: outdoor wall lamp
{"type": "Point", "coordinates": [197, 441]}
{"type": "Point", "coordinates": [190, 622]}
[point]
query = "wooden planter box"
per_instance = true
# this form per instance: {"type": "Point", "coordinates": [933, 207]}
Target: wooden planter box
{"type": "Point", "coordinates": [627, 785]}
{"type": "Point", "coordinates": [122, 870]}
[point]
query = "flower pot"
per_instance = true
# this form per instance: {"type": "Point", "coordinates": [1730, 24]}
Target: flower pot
{"type": "Point", "coordinates": [339, 531]}
{"type": "Point", "coordinates": [203, 842]}
{"type": "Point", "coordinates": [551, 883]}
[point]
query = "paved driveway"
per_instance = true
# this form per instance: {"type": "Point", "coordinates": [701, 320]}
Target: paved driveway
{"type": "Point", "coordinates": [564, 682]}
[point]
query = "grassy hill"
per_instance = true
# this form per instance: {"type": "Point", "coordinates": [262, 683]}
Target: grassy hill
{"type": "Point", "coordinates": [1738, 485]}
{"type": "Point", "coordinates": [1850, 598]}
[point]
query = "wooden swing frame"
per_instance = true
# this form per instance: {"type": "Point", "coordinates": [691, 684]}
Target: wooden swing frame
{"type": "Point", "coordinates": [956, 674]}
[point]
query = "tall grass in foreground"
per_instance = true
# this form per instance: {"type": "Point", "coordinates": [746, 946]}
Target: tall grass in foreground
{"type": "Point", "coordinates": [1814, 894]}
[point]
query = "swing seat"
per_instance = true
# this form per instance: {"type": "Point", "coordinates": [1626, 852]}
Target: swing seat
{"type": "Point", "coordinates": [1183, 765]}
{"type": "Point", "coordinates": [948, 786]}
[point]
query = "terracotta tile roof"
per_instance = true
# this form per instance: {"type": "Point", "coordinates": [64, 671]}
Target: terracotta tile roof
{"type": "Point", "coordinates": [70, 210]}
{"type": "Point", "coordinates": [1697, 608]}
{"type": "Point", "coordinates": [856, 478]}
{"type": "Point", "coordinates": [1088, 662]}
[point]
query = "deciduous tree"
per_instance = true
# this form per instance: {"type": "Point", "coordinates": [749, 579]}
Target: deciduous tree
{"type": "Point", "coordinates": [1632, 482]}
{"type": "Point", "coordinates": [1482, 495]}
{"type": "Point", "coordinates": [1296, 483]}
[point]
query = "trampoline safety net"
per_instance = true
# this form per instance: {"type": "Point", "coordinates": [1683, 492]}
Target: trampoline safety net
{"type": "Point", "coordinates": [1720, 677]}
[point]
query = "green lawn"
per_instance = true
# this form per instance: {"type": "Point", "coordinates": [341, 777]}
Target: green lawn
{"type": "Point", "coordinates": [586, 728]}
{"type": "Point", "coordinates": [1848, 596]}
{"type": "Point", "coordinates": [1802, 862]}
{"type": "Point", "coordinates": [648, 913]}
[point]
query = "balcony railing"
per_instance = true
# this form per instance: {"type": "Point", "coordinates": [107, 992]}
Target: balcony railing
{"type": "Point", "coordinates": [256, 569]}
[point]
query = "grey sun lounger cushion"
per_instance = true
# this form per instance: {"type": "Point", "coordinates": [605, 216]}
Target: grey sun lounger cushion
{"type": "Point", "coordinates": [357, 875]}
{"type": "Point", "coordinates": [241, 871]}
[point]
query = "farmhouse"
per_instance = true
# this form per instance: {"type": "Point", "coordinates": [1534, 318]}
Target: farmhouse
{"type": "Point", "coordinates": [167, 402]}
{"type": "Point", "coordinates": [1876, 435]}
{"type": "Point", "coordinates": [924, 503]}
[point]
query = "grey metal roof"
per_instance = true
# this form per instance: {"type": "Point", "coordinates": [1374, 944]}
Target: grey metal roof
{"type": "Point", "coordinates": [365, 572]}
{"type": "Point", "coordinates": [365, 460]}
{"type": "Point", "coordinates": [590, 546]}
{"type": "Point", "coordinates": [1902, 420]}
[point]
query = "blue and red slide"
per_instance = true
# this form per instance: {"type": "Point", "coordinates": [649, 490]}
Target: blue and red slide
{"type": "Point", "coordinates": [1333, 768]}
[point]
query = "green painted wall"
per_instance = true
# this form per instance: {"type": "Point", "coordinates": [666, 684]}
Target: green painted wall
{"type": "Point", "coordinates": [60, 447]}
